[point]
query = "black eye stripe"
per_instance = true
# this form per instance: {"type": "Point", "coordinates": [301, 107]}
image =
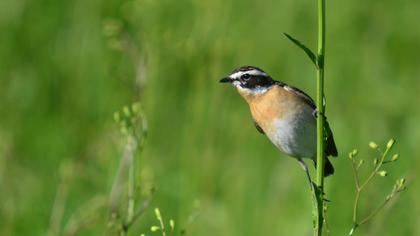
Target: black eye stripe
{"type": "Point", "coordinates": [258, 80]}
{"type": "Point", "coordinates": [245, 76]}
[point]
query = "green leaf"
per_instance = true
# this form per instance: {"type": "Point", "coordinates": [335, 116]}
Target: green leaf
{"type": "Point", "coordinates": [308, 51]}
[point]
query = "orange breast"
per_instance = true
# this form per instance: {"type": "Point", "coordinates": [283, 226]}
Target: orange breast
{"type": "Point", "coordinates": [276, 103]}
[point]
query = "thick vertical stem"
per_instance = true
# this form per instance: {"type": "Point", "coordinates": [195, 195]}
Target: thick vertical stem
{"type": "Point", "coordinates": [320, 118]}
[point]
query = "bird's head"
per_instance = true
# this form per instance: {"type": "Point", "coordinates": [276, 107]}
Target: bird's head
{"type": "Point", "coordinates": [249, 80]}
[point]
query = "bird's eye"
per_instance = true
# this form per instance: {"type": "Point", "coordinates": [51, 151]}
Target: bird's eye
{"type": "Point", "coordinates": [245, 76]}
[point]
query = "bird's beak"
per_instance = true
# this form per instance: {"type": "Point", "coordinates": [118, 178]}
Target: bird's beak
{"type": "Point", "coordinates": [226, 80]}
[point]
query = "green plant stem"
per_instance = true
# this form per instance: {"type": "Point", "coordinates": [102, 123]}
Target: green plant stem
{"type": "Point", "coordinates": [320, 119]}
{"type": "Point", "coordinates": [131, 183]}
{"type": "Point", "coordinates": [375, 212]}
{"type": "Point", "coordinates": [145, 205]}
{"type": "Point", "coordinates": [356, 199]}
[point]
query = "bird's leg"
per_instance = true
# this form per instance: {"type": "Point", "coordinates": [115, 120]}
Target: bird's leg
{"type": "Point", "coordinates": [312, 184]}
{"type": "Point", "coordinates": [305, 168]}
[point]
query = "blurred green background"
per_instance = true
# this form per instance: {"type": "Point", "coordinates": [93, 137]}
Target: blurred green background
{"type": "Point", "coordinates": [66, 66]}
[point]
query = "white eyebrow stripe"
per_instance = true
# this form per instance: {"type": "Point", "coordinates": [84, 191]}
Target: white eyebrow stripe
{"type": "Point", "coordinates": [238, 74]}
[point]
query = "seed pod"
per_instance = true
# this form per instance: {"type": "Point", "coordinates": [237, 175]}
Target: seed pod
{"type": "Point", "coordinates": [154, 228]}
{"type": "Point", "coordinates": [390, 143]}
{"type": "Point", "coordinates": [400, 183]}
{"type": "Point", "coordinates": [172, 224]}
{"type": "Point", "coordinates": [136, 107]}
{"type": "Point", "coordinates": [382, 173]}
{"type": "Point", "coordinates": [373, 145]}
{"type": "Point", "coordinates": [157, 213]}
{"type": "Point", "coordinates": [360, 164]}
{"type": "Point", "coordinates": [126, 111]}
{"type": "Point", "coordinates": [117, 117]}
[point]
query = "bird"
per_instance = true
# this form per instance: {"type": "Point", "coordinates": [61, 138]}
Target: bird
{"type": "Point", "coordinates": [285, 114]}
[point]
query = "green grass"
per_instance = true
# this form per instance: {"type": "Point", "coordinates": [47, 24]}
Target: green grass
{"type": "Point", "coordinates": [60, 83]}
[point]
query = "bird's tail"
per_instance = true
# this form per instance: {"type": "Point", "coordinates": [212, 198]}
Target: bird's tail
{"type": "Point", "coordinates": [328, 167]}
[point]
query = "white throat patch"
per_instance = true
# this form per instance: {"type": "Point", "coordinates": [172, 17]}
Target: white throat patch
{"type": "Point", "coordinates": [254, 91]}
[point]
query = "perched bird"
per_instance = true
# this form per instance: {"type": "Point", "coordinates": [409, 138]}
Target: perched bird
{"type": "Point", "coordinates": [285, 114]}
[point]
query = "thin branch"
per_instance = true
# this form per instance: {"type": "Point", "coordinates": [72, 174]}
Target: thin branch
{"type": "Point", "coordinates": [399, 186]}
{"type": "Point", "coordinates": [66, 174]}
{"type": "Point", "coordinates": [375, 171]}
{"type": "Point", "coordinates": [140, 211]}
{"type": "Point", "coordinates": [355, 175]}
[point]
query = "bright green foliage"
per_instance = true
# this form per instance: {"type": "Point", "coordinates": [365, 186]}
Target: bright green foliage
{"type": "Point", "coordinates": [67, 66]}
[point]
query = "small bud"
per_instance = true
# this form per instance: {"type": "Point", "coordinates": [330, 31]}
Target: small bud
{"type": "Point", "coordinates": [375, 161]}
{"type": "Point", "coordinates": [354, 152]}
{"type": "Point", "coordinates": [157, 213]}
{"type": "Point", "coordinates": [373, 145]}
{"type": "Point", "coordinates": [390, 143]}
{"type": "Point", "coordinates": [126, 111]}
{"type": "Point", "coordinates": [400, 183]}
{"type": "Point", "coordinates": [382, 173]}
{"type": "Point", "coordinates": [395, 157]}
{"type": "Point", "coordinates": [117, 117]}
{"type": "Point", "coordinates": [136, 107]}
{"type": "Point", "coordinates": [360, 164]}
{"type": "Point", "coordinates": [154, 228]}
{"type": "Point", "coordinates": [172, 224]}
